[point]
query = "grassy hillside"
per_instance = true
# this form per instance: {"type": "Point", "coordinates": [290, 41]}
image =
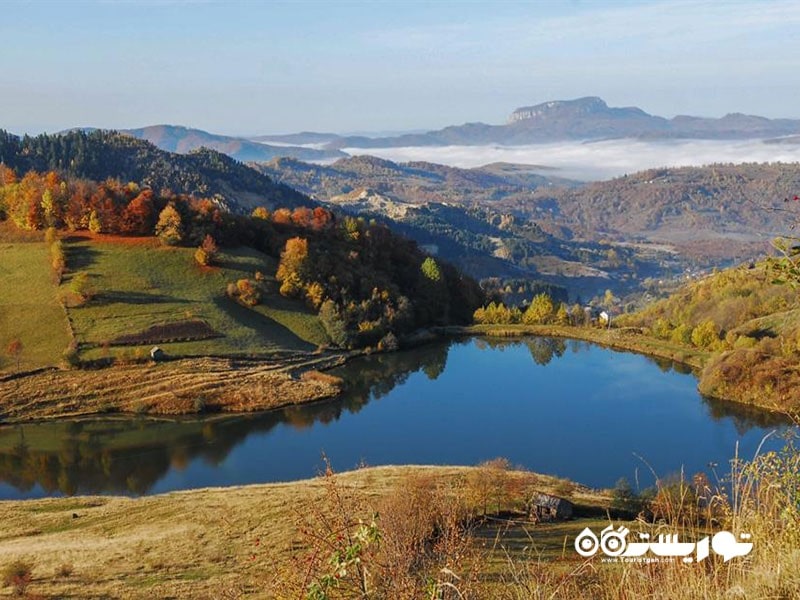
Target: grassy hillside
{"type": "Point", "coordinates": [29, 307]}
{"type": "Point", "coordinates": [139, 283]}
{"type": "Point", "coordinates": [229, 542]}
{"type": "Point", "coordinates": [675, 204]}
{"type": "Point", "coordinates": [403, 533]}
{"type": "Point", "coordinates": [749, 325]}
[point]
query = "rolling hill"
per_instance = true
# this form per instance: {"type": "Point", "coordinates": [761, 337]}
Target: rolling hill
{"type": "Point", "coordinates": [98, 155]}
{"type": "Point", "coordinates": [184, 140]}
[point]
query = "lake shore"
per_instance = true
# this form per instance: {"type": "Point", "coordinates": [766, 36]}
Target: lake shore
{"type": "Point", "coordinates": [632, 339]}
{"type": "Point", "coordinates": [201, 385]}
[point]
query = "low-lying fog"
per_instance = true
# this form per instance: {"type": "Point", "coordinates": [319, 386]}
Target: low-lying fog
{"type": "Point", "coordinates": [589, 161]}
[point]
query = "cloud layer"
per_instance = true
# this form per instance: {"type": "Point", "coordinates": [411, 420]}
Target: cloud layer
{"type": "Point", "coordinates": [588, 161]}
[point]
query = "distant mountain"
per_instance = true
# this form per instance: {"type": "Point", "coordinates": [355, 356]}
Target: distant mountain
{"type": "Point", "coordinates": [298, 139]}
{"type": "Point", "coordinates": [100, 154]}
{"type": "Point", "coordinates": [183, 140]}
{"type": "Point", "coordinates": [413, 182]}
{"type": "Point", "coordinates": [587, 118]}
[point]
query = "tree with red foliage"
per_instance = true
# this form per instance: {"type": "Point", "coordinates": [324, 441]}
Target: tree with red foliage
{"type": "Point", "coordinates": [322, 218]}
{"type": "Point", "coordinates": [282, 216]}
{"type": "Point", "coordinates": [302, 216]}
{"type": "Point", "coordinates": [138, 218]}
{"type": "Point", "coordinates": [206, 254]}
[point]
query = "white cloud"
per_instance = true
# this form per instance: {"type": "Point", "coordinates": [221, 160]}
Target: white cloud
{"type": "Point", "coordinates": [597, 160]}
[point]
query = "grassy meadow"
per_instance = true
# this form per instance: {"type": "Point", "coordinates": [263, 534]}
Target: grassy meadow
{"type": "Point", "coordinates": [402, 533]}
{"type": "Point", "coordinates": [29, 305]}
{"type": "Point", "coordinates": [138, 283]}
{"type": "Point", "coordinates": [222, 543]}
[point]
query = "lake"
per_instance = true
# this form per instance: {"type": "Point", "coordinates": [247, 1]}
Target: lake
{"type": "Point", "coordinates": [555, 406]}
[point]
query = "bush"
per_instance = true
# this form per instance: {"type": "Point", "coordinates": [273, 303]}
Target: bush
{"type": "Point", "coordinates": [18, 575]}
{"type": "Point", "coordinates": [332, 319]}
{"type": "Point", "coordinates": [81, 286]}
{"type": "Point", "coordinates": [705, 335]}
{"type": "Point", "coordinates": [206, 254]}
{"type": "Point", "coordinates": [245, 291]}
{"type": "Point", "coordinates": [65, 570]}
{"type": "Point", "coordinates": [682, 334]}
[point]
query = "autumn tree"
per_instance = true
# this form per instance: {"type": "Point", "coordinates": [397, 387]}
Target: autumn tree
{"type": "Point", "coordinates": [170, 226]}
{"type": "Point", "coordinates": [321, 219]}
{"type": "Point", "coordinates": [562, 315]}
{"type": "Point", "coordinates": [282, 216]}
{"type": "Point", "coordinates": [95, 224]}
{"type": "Point", "coordinates": [539, 311]}
{"type": "Point", "coordinates": [302, 216]}
{"type": "Point", "coordinates": [138, 215]}
{"type": "Point", "coordinates": [206, 254]}
{"type": "Point", "coordinates": [245, 291]}
{"type": "Point", "coordinates": [260, 212]}
{"type": "Point", "coordinates": [293, 269]}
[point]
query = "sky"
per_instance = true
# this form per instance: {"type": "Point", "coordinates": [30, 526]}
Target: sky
{"type": "Point", "coordinates": [246, 68]}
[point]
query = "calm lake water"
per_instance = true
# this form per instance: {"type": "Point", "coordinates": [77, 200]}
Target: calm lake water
{"type": "Point", "coordinates": [554, 406]}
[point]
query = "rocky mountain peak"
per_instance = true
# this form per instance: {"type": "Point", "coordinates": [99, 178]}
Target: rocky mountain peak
{"type": "Point", "coordinates": [560, 109]}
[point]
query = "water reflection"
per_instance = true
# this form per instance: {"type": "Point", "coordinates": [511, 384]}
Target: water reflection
{"type": "Point", "coordinates": [129, 456]}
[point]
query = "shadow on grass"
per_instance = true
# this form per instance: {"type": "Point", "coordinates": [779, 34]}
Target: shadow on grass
{"type": "Point", "coordinates": [235, 265]}
{"type": "Point", "coordinates": [271, 332]}
{"type": "Point", "coordinates": [79, 256]}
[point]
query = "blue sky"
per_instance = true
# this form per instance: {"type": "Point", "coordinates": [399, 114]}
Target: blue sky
{"type": "Point", "coordinates": [251, 67]}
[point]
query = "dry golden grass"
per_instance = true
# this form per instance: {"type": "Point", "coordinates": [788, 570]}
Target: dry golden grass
{"type": "Point", "coordinates": [211, 543]}
{"type": "Point", "coordinates": [183, 386]}
{"type": "Point", "coordinates": [279, 540]}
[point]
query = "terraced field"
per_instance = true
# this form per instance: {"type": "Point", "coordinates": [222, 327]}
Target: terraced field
{"type": "Point", "coordinates": [185, 386]}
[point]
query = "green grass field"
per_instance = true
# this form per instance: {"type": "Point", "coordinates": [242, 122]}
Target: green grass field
{"type": "Point", "coordinates": [29, 308]}
{"type": "Point", "coordinates": [139, 283]}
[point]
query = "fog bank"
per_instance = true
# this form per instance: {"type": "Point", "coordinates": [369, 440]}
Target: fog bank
{"type": "Point", "coordinates": [588, 161]}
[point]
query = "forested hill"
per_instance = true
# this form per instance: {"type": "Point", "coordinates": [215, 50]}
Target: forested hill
{"type": "Point", "coordinates": [99, 155]}
{"type": "Point", "coordinates": [673, 204]}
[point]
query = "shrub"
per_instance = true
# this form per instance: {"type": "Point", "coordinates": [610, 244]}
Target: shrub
{"type": "Point", "coordinates": [332, 319]}
{"type": "Point", "coordinates": [245, 291]}
{"type": "Point", "coordinates": [206, 254]}
{"type": "Point", "coordinates": [18, 575]}
{"type": "Point", "coordinates": [81, 286]}
{"type": "Point", "coordinates": [682, 334]}
{"type": "Point", "coordinates": [705, 335]}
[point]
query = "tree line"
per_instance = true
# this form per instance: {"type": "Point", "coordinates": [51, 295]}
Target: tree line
{"type": "Point", "coordinates": [368, 284]}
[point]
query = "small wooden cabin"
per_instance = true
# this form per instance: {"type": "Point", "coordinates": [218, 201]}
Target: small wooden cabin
{"type": "Point", "coordinates": [544, 507]}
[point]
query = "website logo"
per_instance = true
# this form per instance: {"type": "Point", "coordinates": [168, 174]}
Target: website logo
{"type": "Point", "coordinates": [613, 543]}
